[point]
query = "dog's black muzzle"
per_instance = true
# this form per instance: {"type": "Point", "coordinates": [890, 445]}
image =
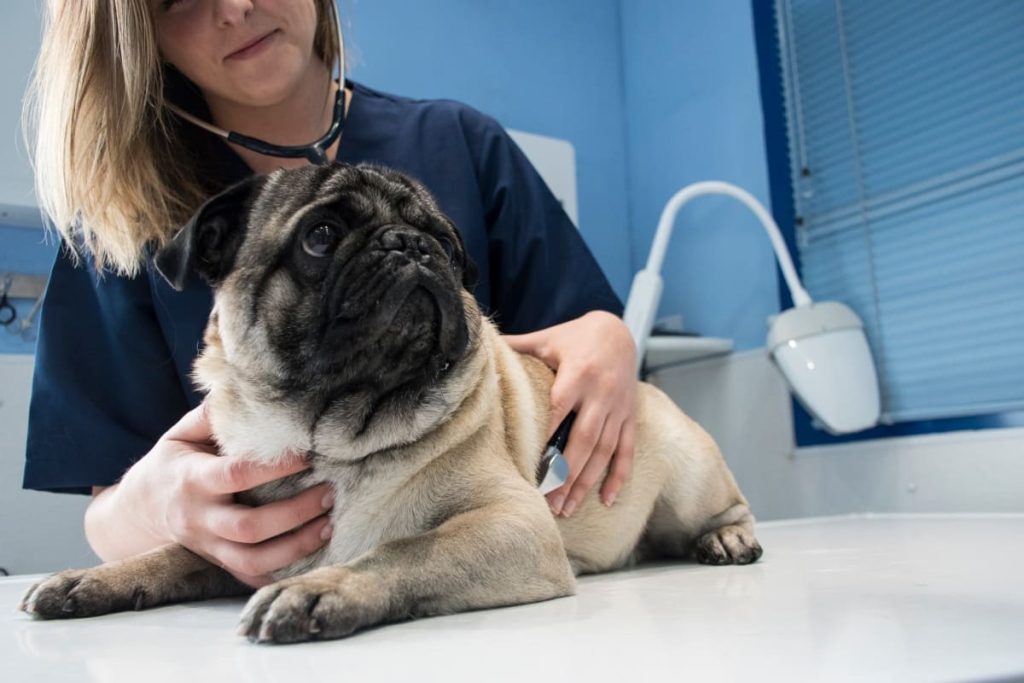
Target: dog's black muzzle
{"type": "Point", "coordinates": [400, 285]}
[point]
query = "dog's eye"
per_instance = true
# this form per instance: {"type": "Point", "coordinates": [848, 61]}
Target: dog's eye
{"type": "Point", "coordinates": [448, 246]}
{"type": "Point", "coordinates": [320, 240]}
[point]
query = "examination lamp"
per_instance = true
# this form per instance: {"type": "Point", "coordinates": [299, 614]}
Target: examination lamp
{"type": "Point", "coordinates": [820, 348]}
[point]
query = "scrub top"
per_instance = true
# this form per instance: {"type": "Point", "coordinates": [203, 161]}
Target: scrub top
{"type": "Point", "coordinates": [114, 354]}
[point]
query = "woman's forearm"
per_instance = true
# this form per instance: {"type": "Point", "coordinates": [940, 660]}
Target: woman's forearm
{"type": "Point", "coordinates": [110, 529]}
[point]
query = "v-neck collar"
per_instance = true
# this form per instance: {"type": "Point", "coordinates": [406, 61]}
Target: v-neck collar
{"type": "Point", "coordinates": [232, 168]}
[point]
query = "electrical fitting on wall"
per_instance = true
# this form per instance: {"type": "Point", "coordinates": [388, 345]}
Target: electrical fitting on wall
{"type": "Point", "coordinates": [819, 348]}
{"type": "Point", "coordinates": [17, 286]}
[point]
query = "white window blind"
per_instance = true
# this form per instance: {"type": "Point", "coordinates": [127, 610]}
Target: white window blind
{"type": "Point", "coordinates": [906, 136]}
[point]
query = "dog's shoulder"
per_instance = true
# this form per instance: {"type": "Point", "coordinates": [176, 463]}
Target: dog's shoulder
{"type": "Point", "coordinates": [524, 386]}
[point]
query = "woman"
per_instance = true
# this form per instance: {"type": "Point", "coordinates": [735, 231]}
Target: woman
{"type": "Point", "coordinates": [118, 170]}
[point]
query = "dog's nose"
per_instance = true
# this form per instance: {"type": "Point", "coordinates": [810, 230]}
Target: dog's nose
{"type": "Point", "coordinates": [412, 244]}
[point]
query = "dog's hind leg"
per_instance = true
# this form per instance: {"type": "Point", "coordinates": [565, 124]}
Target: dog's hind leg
{"type": "Point", "coordinates": [726, 538]}
{"type": "Point", "coordinates": [730, 539]}
{"type": "Point", "coordinates": [700, 512]}
{"type": "Point", "coordinates": [166, 575]}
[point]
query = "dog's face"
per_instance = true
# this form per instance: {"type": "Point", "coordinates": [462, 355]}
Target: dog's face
{"type": "Point", "coordinates": [340, 288]}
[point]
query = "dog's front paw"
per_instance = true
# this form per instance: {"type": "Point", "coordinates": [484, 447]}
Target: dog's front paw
{"type": "Point", "coordinates": [727, 545]}
{"type": "Point", "coordinates": [327, 603]}
{"type": "Point", "coordinates": [79, 593]}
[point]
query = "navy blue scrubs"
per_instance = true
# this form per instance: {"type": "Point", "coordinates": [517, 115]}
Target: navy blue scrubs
{"type": "Point", "coordinates": [114, 354]}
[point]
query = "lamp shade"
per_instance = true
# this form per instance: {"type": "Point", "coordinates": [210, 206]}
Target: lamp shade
{"type": "Point", "coordinates": [822, 351]}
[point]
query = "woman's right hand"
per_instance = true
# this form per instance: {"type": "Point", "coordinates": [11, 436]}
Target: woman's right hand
{"type": "Point", "coordinates": [183, 492]}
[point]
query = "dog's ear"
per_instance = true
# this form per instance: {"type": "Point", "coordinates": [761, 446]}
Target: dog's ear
{"type": "Point", "coordinates": [470, 274]}
{"type": "Point", "coordinates": [209, 241]}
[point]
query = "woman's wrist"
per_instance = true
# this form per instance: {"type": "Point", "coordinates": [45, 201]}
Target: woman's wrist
{"type": "Point", "coordinates": [112, 526]}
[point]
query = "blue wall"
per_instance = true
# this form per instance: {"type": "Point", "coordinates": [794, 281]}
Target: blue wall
{"type": "Point", "coordinates": [693, 113]}
{"type": "Point", "coordinates": [653, 94]}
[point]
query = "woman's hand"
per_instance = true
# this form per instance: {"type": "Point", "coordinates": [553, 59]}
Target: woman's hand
{"type": "Point", "coordinates": [182, 491]}
{"type": "Point", "coordinates": [594, 359]}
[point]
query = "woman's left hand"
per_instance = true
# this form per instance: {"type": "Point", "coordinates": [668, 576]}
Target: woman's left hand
{"type": "Point", "coordinates": [594, 359]}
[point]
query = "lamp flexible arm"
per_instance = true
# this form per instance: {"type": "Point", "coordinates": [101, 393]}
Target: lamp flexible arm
{"type": "Point", "coordinates": [647, 285]}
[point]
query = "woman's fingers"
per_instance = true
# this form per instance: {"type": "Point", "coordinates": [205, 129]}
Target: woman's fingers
{"type": "Point", "coordinates": [245, 524]}
{"type": "Point", "coordinates": [595, 466]}
{"type": "Point", "coordinates": [254, 581]}
{"type": "Point", "coordinates": [525, 343]}
{"type": "Point", "coordinates": [622, 462]}
{"type": "Point", "coordinates": [252, 542]}
{"type": "Point", "coordinates": [225, 475]}
{"type": "Point", "coordinates": [194, 427]}
{"type": "Point", "coordinates": [584, 435]}
{"type": "Point", "coordinates": [246, 561]}
{"type": "Point", "coordinates": [563, 402]}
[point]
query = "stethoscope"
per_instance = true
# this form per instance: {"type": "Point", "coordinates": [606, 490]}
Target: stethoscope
{"type": "Point", "coordinates": [316, 151]}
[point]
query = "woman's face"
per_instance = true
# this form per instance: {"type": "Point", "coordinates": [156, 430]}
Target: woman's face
{"type": "Point", "coordinates": [249, 52]}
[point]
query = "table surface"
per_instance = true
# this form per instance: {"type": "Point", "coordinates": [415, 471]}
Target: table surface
{"type": "Point", "coordinates": [902, 598]}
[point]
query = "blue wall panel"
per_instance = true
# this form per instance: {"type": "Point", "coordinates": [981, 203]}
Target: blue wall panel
{"type": "Point", "coordinates": [693, 112]}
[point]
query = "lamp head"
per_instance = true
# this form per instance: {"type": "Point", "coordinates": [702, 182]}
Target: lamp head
{"type": "Point", "coordinates": [821, 350]}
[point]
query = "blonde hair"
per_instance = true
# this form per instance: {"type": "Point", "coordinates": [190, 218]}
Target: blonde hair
{"type": "Point", "coordinates": [111, 169]}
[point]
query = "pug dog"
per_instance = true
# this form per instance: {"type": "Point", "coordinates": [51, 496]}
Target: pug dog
{"type": "Point", "coordinates": [342, 327]}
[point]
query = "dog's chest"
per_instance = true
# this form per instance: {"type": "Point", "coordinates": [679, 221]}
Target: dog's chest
{"type": "Point", "coordinates": [369, 511]}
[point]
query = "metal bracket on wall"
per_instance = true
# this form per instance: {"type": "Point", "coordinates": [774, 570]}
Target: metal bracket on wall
{"type": "Point", "coordinates": [18, 286]}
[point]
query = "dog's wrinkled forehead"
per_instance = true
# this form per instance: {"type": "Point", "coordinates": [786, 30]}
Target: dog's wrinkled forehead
{"type": "Point", "coordinates": [250, 224]}
{"type": "Point", "coordinates": [361, 195]}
